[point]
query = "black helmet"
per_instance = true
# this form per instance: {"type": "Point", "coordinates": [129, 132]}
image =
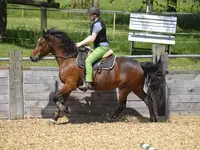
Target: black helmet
{"type": "Point", "coordinates": [93, 10]}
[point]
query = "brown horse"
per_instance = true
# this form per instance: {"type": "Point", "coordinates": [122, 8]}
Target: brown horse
{"type": "Point", "coordinates": [127, 75]}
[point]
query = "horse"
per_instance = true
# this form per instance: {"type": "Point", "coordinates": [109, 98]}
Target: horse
{"type": "Point", "coordinates": [128, 75]}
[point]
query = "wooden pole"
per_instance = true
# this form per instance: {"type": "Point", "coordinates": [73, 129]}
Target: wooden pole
{"type": "Point", "coordinates": [16, 86]}
{"type": "Point", "coordinates": [158, 51]}
{"type": "Point", "coordinates": [164, 60]}
{"type": "Point", "coordinates": [114, 18]}
{"type": "Point", "coordinates": [95, 3]}
{"type": "Point", "coordinates": [159, 54]}
{"type": "Point", "coordinates": [149, 6]}
{"type": "Point", "coordinates": [3, 18]}
{"type": "Point", "coordinates": [43, 18]}
{"type": "Point", "coordinates": [34, 3]}
{"type": "Point", "coordinates": [22, 11]}
{"type": "Point", "coordinates": [12, 91]}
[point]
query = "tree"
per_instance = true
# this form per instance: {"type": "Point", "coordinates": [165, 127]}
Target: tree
{"type": "Point", "coordinates": [3, 18]}
{"type": "Point", "coordinates": [171, 5]}
{"type": "Point", "coordinates": [3, 12]}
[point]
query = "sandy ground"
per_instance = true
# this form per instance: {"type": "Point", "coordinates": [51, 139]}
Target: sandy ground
{"type": "Point", "coordinates": [178, 133]}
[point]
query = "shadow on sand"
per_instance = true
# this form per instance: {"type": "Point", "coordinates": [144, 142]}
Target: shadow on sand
{"type": "Point", "coordinates": [92, 107]}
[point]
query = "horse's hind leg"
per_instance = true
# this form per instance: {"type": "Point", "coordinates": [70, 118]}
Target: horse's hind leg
{"type": "Point", "coordinates": [148, 101]}
{"type": "Point", "coordinates": [122, 104]}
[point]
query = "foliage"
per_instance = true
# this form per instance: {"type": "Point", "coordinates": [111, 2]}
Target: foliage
{"type": "Point", "coordinates": [110, 1]}
{"type": "Point", "coordinates": [51, 1]}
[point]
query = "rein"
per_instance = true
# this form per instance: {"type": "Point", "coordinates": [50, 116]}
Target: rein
{"type": "Point", "coordinates": [62, 57]}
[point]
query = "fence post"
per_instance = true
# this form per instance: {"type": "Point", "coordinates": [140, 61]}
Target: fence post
{"type": "Point", "coordinates": [159, 54]}
{"type": "Point", "coordinates": [164, 60]}
{"type": "Point", "coordinates": [114, 18]}
{"type": "Point", "coordinates": [16, 85]}
{"type": "Point", "coordinates": [43, 18]}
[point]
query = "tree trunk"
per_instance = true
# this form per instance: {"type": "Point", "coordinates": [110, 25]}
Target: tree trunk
{"type": "Point", "coordinates": [3, 19]}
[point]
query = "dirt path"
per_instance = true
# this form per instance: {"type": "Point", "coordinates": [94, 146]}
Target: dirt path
{"type": "Point", "coordinates": [35, 134]}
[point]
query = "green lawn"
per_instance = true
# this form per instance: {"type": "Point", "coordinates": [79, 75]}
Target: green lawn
{"type": "Point", "coordinates": [23, 32]}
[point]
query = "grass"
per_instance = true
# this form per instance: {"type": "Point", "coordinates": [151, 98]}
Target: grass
{"type": "Point", "coordinates": [23, 31]}
{"type": "Point", "coordinates": [78, 29]}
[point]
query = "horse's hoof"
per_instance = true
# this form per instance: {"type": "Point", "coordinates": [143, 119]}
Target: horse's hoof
{"type": "Point", "coordinates": [155, 119]}
{"type": "Point", "coordinates": [52, 121]}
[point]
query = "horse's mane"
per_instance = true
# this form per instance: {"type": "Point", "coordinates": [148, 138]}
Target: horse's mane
{"type": "Point", "coordinates": [68, 45]}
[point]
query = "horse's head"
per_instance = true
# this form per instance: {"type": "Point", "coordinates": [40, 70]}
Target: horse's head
{"type": "Point", "coordinates": [42, 48]}
{"type": "Point", "coordinates": [56, 42]}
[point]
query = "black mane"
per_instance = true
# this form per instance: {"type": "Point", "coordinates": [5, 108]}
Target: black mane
{"type": "Point", "coordinates": [68, 45]}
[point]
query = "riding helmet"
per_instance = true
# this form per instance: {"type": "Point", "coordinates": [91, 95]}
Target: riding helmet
{"type": "Point", "coordinates": [93, 10]}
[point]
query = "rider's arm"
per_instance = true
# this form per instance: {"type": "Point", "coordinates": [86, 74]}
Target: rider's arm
{"type": "Point", "coordinates": [89, 39]}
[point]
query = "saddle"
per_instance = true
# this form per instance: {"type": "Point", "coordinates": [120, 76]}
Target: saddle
{"type": "Point", "coordinates": [105, 63]}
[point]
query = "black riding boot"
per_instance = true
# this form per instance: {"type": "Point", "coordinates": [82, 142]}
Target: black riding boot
{"type": "Point", "coordinates": [86, 86]}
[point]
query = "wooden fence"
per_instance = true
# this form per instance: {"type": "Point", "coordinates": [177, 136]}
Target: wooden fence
{"type": "Point", "coordinates": [4, 94]}
{"type": "Point", "coordinates": [27, 93]}
{"type": "Point", "coordinates": [38, 85]}
{"type": "Point", "coordinates": [184, 93]}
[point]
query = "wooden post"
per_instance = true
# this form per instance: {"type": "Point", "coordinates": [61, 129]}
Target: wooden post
{"type": "Point", "coordinates": [114, 17]}
{"type": "Point", "coordinates": [164, 60]}
{"type": "Point", "coordinates": [22, 7]}
{"type": "Point", "coordinates": [3, 18]}
{"type": "Point", "coordinates": [16, 85]}
{"type": "Point", "coordinates": [158, 51]}
{"type": "Point", "coordinates": [43, 18]}
{"type": "Point", "coordinates": [160, 54]}
{"type": "Point", "coordinates": [149, 6]}
{"type": "Point", "coordinates": [95, 3]}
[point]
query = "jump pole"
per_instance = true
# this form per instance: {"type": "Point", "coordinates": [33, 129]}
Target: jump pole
{"type": "Point", "coordinates": [147, 146]}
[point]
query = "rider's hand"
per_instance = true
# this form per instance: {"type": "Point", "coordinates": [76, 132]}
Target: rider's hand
{"type": "Point", "coordinates": [78, 45]}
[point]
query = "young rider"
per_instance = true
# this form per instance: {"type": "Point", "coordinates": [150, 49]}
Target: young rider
{"type": "Point", "coordinates": [101, 45]}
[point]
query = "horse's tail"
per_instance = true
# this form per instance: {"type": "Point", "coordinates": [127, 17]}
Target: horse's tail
{"type": "Point", "coordinates": [156, 82]}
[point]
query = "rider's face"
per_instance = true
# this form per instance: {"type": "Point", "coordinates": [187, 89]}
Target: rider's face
{"type": "Point", "coordinates": [91, 17]}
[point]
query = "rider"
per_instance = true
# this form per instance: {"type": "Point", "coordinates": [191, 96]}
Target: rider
{"type": "Point", "coordinates": [101, 44]}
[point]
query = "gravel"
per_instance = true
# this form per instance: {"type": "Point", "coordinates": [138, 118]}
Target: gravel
{"type": "Point", "coordinates": [36, 134]}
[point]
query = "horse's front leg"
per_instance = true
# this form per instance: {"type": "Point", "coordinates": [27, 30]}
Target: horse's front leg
{"type": "Point", "coordinates": [60, 98]}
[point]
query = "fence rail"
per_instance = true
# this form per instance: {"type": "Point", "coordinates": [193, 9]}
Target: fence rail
{"type": "Point", "coordinates": [129, 56]}
{"type": "Point", "coordinates": [82, 11]}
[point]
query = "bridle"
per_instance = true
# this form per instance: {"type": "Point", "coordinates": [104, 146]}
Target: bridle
{"type": "Point", "coordinates": [51, 47]}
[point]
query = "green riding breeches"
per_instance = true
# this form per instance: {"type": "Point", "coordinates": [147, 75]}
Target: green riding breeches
{"type": "Point", "coordinates": [94, 56]}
